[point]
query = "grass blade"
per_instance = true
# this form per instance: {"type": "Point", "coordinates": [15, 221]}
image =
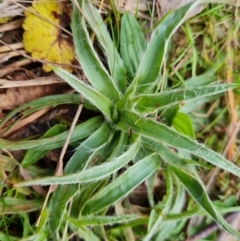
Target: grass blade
{"type": "Point", "coordinates": [88, 189]}
{"type": "Point", "coordinates": [63, 194]}
{"type": "Point", "coordinates": [7, 237]}
{"type": "Point", "coordinates": [115, 62]}
{"type": "Point", "coordinates": [132, 44]}
{"type": "Point", "coordinates": [197, 191]}
{"type": "Point", "coordinates": [167, 228]}
{"type": "Point", "coordinates": [81, 131]}
{"type": "Point", "coordinates": [34, 154]}
{"type": "Point", "coordinates": [151, 63]}
{"type": "Point", "coordinates": [120, 187]}
{"type": "Point", "coordinates": [87, 234]}
{"type": "Point", "coordinates": [101, 220]}
{"type": "Point", "coordinates": [40, 103]}
{"type": "Point", "coordinates": [92, 174]}
{"type": "Point", "coordinates": [168, 156]}
{"type": "Point", "coordinates": [93, 143]}
{"type": "Point", "coordinates": [166, 209]}
{"type": "Point", "coordinates": [121, 145]}
{"type": "Point", "coordinates": [96, 98]}
{"type": "Point", "coordinates": [152, 102]}
{"type": "Point", "coordinates": [161, 133]}
{"type": "Point", "coordinates": [93, 68]}
{"type": "Point", "coordinates": [9, 205]}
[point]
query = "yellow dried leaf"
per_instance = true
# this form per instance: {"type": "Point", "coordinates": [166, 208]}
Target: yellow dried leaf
{"type": "Point", "coordinates": [43, 36]}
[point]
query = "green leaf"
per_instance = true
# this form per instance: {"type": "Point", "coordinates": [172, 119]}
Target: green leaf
{"type": "Point", "coordinates": [101, 220]}
{"type": "Point", "coordinates": [149, 103]}
{"type": "Point", "coordinates": [96, 98]}
{"type": "Point", "coordinates": [35, 154]}
{"type": "Point", "coordinates": [161, 213]}
{"type": "Point", "coordinates": [10, 205]}
{"type": "Point", "coordinates": [7, 237]}
{"type": "Point", "coordinates": [63, 194]}
{"type": "Point", "coordinates": [81, 131]}
{"type": "Point", "coordinates": [43, 221]}
{"type": "Point", "coordinates": [42, 236]}
{"type": "Point", "coordinates": [171, 158]}
{"type": "Point", "coordinates": [97, 140]}
{"type": "Point", "coordinates": [101, 154]}
{"type": "Point", "coordinates": [167, 228]}
{"type": "Point", "coordinates": [192, 212]}
{"type": "Point", "coordinates": [87, 191]}
{"type": "Point", "coordinates": [87, 234]}
{"type": "Point", "coordinates": [120, 187]}
{"type": "Point", "coordinates": [92, 174]}
{"type": "Point", "coordinates": [115, 62]}
{"type": "Point", "coordinates": [40, 103]}
{"type": "Point", "coordinates": [93, 68]}
{"type": "Point", "coordinates": [151, 64]}
{"type": "Point", "coordinates": [132, 44]}
{"type": "Point", "coordinates": [121, 145]}
{"type": "Point", "coordinates": [169, 113]}
{"type": "Point", "coordinates": [159, 132]}
{"type": "Point", "coordinates": [196, 189]}
{"type": "Point", "coordinates": [98, 155]}
{"type": "Point", "coordinates": [183, 124]}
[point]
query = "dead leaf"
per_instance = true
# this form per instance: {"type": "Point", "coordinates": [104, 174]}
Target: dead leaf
{"type": "Point", "coordinates": [43, 36]}
{"type": "Point", "coordinates": [167, 5]}
{"type": "Point", "coordinates": [27, 177]}
{"type": "Point", "coordinates": [14, 97]}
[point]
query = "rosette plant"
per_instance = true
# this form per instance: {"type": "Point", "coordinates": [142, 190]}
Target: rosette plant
{"type": "Point", "coordinates": [126, 143]}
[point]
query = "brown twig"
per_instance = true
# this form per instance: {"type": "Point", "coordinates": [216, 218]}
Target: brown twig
{"type": "Point", "coordinates": [230, 94]}
{"type": "Point", "coordinates": [4, 83]}
{"type": "Point", "coordinates": [12, 25]}
{"type": "Point", "coordinates": [26, 121]}
{"type": "Point", "coordinates": [59, 168]}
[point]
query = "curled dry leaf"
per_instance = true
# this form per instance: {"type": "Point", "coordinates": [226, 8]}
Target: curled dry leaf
{"type": "Point", "coordinates": [43, 36]}
{"type": "Point", "coordinates": [14, 97]}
